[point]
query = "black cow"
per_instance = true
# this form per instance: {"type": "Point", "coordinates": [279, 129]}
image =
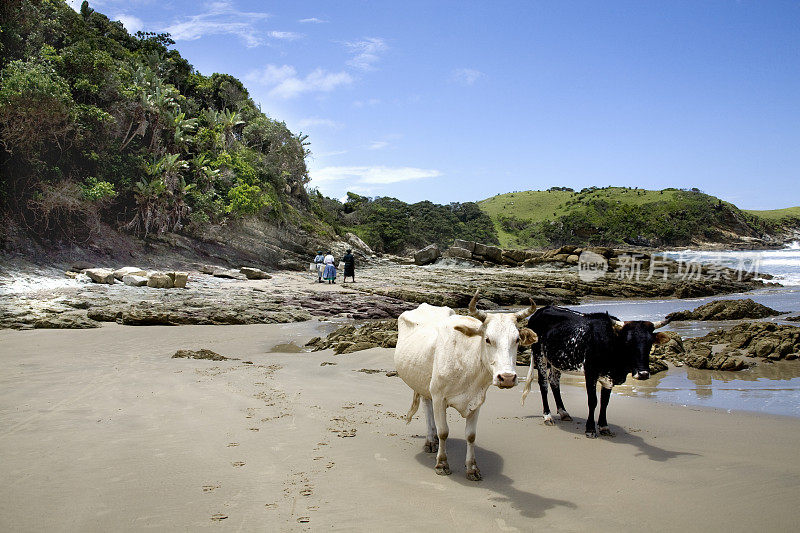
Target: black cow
{"type": "Point", "coordinates": [606, 348]}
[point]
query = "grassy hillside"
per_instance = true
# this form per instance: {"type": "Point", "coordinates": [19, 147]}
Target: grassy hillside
{"type": "Point", "coordinates": [617, 215]}
{"type": "Point", "coordinates": [776, 214]}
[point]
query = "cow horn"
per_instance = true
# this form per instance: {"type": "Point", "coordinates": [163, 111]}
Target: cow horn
{"type": "Point", "coordinates": [662, 323]}
{"type": "Point", "coordinates": [519, 315]}
{"type": "Point", "coordinates": [474, 311]}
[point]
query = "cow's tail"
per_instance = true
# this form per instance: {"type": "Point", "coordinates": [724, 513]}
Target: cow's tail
{"type": "Point", "coordinates": [414, 406]}
{"type": "Point", "coordinates": [527, 389]}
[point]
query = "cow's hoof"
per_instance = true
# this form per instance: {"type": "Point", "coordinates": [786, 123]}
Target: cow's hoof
{"type": "Point", "coordinates": [443, 470]}
{"type": "Point", "coordinates": [431, 447]}
{"type": "Point", "coordinates": [548, 420]}
{"type": "Point", "coordinates": [565, 416]}
{"type": "Point", "coordinates": [591, 434]}
{"type": "Point", "coordinates": [475, 475]}
{"type": "Point", "coordinates": [606, 432]}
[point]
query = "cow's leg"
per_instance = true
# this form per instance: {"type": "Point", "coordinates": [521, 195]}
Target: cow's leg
{"type": "Point", "coordinates": [440, 416]}
{"type": "Point", "coordinates": [605, 395]}
{"type": "Point", "coordinates": [431, 440]}
{"type": "Point", "coordinates": [555, 384]}
{"type": "Point", "coordinates": [472, 467]}
{"type": "Point", "coordinates": [543, 370]}
{"type": "Point", "coordinates": [591, 392]}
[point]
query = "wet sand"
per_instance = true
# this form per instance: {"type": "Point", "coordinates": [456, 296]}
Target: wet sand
{"type": "Point", "coordinates": [103, 431]}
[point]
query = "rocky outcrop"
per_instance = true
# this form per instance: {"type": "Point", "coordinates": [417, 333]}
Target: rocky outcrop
{"type": "Point", "coordinates": [736, 348]}
{"type": "Point", "coordinates": [726, 310]}
{"type": "Point", "coordinates": [427, 255]}
{"type": "Point", "coordinates": [202, 353]}
{"type": "Point", "coordinates": [352, 338]}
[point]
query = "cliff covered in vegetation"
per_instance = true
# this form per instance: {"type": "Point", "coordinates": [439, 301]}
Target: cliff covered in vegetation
{"type": "Point", "coordinates": [102, 126]}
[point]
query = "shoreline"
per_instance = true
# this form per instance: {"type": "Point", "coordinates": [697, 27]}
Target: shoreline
{"type": "Point", "coordinates": [156, 442]}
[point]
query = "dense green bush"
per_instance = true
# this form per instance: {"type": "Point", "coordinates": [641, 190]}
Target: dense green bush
{"type": "Point", "coordinates": [84, 102]}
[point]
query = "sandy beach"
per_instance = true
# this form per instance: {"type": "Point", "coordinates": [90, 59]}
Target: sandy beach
{"type": "Point", "coordinates": [103, 430]}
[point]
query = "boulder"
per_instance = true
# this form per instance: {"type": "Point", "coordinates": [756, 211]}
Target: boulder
{"type": "Point", "coordinates": [517, 256]}
{"type": "Point", "coordinates": [124, 271]}
{"type": "Point", "coordinates": [427, 255]}
{"type": "Point", "coordinates": [572, 259]}
{"type": "Point", "coordinates": [134, 280]}
{"type": "Point", "coordinates": [101, 275]}
{"type": "Point", "coordinates": [467, 245]}
{"type": "Point", "coordinates": [225, 273]}
{"type": "Point", "coordinates": [254, 273]}
{"type": "Point", "coordinates": [158, 280]}
{"type": "Point", "coordinates": [179, 279]}
{"type": "Point", "coordinates": [357, 244]}
{"type": "Point", "coordinates": [458, 253]}
{"type": "Point", "coordinates": [488, 253]}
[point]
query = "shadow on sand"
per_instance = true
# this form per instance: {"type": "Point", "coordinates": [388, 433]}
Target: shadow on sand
{"type": "Point", "coordinates": [491, 466]}
{"type": "Point", "coordinates": [654, 453]}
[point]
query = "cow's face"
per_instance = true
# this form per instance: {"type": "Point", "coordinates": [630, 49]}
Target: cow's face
{"type": "Point", "coordinates": [637, 338]}
{"type": "Point", "coordinates": [500, 338]}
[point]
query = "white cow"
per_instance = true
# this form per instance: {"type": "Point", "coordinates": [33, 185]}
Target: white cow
{"type": "Point", "coordinates": [450, 360]}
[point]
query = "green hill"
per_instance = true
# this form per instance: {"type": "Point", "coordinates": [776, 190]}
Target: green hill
{"type": "Point", "coordinates": [787, 213]}
{"type": "Point", "coordinates": [618, 215]}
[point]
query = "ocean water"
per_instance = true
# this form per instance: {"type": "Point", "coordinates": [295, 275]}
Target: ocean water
{"type": "Point", "coordinates": [783, 264]}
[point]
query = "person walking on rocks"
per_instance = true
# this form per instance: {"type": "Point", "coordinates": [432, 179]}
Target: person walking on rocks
{"type": "Point", "coordinates": [329, 274]}
{"type": "Point", "coordinates": [349, 267]}
{"type": "Point", "coordinates": [319, 262]}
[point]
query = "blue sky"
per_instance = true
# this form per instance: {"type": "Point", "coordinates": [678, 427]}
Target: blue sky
{"type": "Point", "coordinates": [458, 101]}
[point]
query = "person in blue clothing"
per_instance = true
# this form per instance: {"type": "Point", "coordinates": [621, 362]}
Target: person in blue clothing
{"type": "Point", "coordinates": [329, 274]}
{"type": "Point", "coordinates": [319, 261]}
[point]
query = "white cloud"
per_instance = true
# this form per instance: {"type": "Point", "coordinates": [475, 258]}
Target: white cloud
{"type": "Point", "coordinates": [285, 83]}
{"type": "Point", "coordinates": [220, 18]}
{"type": "Point", "coordinates": [366, 52]}
{"type": "Point", "coordinates": [367, 103]}
{"type": "Point", "coordinates": [330, 154]}
{"type": "Point", "coordinates": [377, 145]}
{"type": "Point", "coordinates": [312, 20]}
{"type": "Point", "coordinates": [372, 175]}
{"type": "Point", "coordinates": [285, 35]}
{"type": "Point", "coordinates": [316, 121]}
{"type": "Point", "coordinates": [467, 76]}
{"type": "Point", "coordinates": [131, 23]}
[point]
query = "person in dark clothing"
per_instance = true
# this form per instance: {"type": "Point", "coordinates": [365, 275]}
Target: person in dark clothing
{"type": "Point", "coordinates": [349, 266]}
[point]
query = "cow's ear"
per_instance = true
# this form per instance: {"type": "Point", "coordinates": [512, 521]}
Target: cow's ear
{"type": "Point", "coordinates": [527, 337]}
{"type": "Point", "coordinates": [661, 338]}
{"type": "Point", "coordinates": [468, 331]}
